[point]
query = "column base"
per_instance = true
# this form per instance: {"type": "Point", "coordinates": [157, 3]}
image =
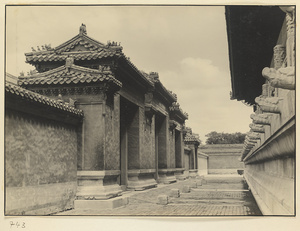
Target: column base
{"type": "Point", "coordinates": [98, 185]}
{"type": "Point", "coordinates": [193, 173]}
{"type": "Point", "coordinates": [179, 174]}
{"type": "Point", "coordinates": [141, 179]}
{"type": "Point", "coordinates": [166, 176]}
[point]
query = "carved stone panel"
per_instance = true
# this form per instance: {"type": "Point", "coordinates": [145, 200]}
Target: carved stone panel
{"type": "Point", "coordinates": [279, 56]}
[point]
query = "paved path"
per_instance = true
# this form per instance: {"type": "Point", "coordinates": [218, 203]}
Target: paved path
{"type": "Point", "coordinates": [218, 195]}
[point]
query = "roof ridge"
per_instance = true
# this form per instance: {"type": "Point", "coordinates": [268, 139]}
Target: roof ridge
{"type": "Point", "coordinates": [67, 74]}
{"type": "Point", "coordinates": [81, 68]}
{"type": "Point", "coordinates": [136, 69]}
{"type": "Point", "coordinates": [41, 74]}
{"type": "Point", "coordinates": [64, 67]}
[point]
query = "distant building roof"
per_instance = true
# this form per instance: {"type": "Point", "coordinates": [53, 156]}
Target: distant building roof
{"type": "Point", "coordinates": [192, 138]}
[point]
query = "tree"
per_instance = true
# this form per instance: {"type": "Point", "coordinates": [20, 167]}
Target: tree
{"type": "Point", "coordinates": [225, 138]}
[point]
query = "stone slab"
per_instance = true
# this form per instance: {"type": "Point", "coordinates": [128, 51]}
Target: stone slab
{"type": "Point", "coordinates": [101, 204]}
{"type": "Point", "coordinates": [174, 192]}
{"type": "Point", "coordinates": [162, 200]}
{"type": "Point", "coordinates": [186, 189]}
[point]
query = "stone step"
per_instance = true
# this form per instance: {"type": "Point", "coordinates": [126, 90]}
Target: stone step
{"type": "Point", "coordinates": [226, 180]}
{"type": "Point", "coordinates": [228, 202]}
{"type": "Point", "coordinates": [202, 194]}
{"type": "Point", "coordinates": [224, 186]}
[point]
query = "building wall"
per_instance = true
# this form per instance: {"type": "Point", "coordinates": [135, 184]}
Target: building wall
{"type": "Point", "coordinates": [270, 166]}
{"type": "Point", "coordinates": [272, 182]}
{"type": "Point", "coordinates": [270, 147]}
{"type": "Point", "coordinates": [223, 158]}
{"type": "Point", "coordinates": [93, 136]}
{"type": "Point", "coordinates": [202, 164]}
{"type": "Point", "coordinates": [172, 149]}
{"type": "Point", "coordinates": [40, 164]}
{"type": "Point", "coordinates": [148, 147]}
{"type": "Point", "coordinates": [112, 135]}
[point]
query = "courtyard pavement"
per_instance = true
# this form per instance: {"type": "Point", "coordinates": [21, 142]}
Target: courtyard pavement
{"type": "Point", "coordinates": [215, 195]}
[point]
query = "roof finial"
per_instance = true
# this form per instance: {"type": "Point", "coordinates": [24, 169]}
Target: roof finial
{"type": "Point", "coordinates": [69, 61]}
{"type": "Point", "coordinates": [82, 29]}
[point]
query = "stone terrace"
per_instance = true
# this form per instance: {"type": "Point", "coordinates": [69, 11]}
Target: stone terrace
{"type": "Point", "coordinates": [215, 195]}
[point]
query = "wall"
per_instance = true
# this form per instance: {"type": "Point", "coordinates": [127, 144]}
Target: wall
{"type": "Point", "coordinates": [172, 157]}
{"type": "Point", "coordinates": [112, 134]}
{"type": "Point", "coordinates": [41, 164]}
{"type": "Point", "coordinates": [270, 166]}
{"type": "Point", "coordinates": [202, 164]}
{"type": "Point", "coordinates": [93, 137]}
{"type": "Point", "coordinates": [148, 147]}
{"type": "Point", "coordinates": [223, 158]}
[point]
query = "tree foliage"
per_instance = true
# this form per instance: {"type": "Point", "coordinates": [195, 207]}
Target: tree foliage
{"type": "Point", "coordinates": [225, 138]}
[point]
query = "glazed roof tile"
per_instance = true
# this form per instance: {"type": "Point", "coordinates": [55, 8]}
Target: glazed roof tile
{"type": "Point", "coordinates": [69, 75]}
{"type": "Point", "coordinates": [35, 97]}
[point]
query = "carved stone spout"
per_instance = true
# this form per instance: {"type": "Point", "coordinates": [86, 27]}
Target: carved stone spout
{"type": "Point", "coordinates": [249, 143]}
{"type": "Point", "coordinates": [260, 119]}
{"type": "Point", "coordinates": [282, 78]}
{"type": "Point", "coordinates": [253, 135]}
{"type": "Point", "coordinates": [246, 146]}
{"type": "Point", "coordinates": [249, 140]}
{"type": "Point", "coordinates": [257, 128]}
{"type": "Point", "coordinates": [269, 104]}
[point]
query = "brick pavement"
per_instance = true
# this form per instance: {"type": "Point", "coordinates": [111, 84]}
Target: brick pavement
{"type": "Point", "coordinates": [219, 196]}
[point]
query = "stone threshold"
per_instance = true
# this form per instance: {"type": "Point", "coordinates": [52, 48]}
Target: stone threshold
{"type": "Point", "coordinates": [221, 190]}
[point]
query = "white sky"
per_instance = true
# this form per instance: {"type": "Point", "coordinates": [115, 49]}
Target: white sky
{"type": "Point", "coordinates": [186, 45]}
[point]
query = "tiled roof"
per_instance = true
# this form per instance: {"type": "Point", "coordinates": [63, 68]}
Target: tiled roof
{"type": "Point", "coordinates": [69, 75]}
{"type": "Point", "coordinates": [93, 50]}
{"type": "Point", "coordinates": [82, 55]}
{"type": "Point", "coordinates": [191, 138]}
{"type": "Point", "coordinates": [35, 97]}
{"type": "Point", "coordinates": [141, 73]}
{"type": "Point", "coordinates": [176, 108]}
{"type": "Point", "coordinates": [154, 78]}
